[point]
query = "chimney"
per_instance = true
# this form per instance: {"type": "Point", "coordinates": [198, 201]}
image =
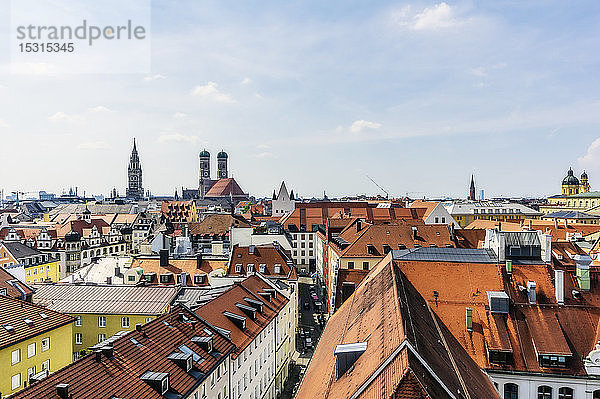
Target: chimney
{"type": "Point", "coordinates": [180, 317]}
{"type": "Point", "coordinates": [117, 270]}
{"type": "Point", "coordinates": [556, 223]}
{"type": "Point", "coordinates": [109, 280]}
{"type": "Point", "coordinates": [559, 286]}
{"type": "Point", "coordinates": [530, 224]}
{"type": "Point", "coordinates": [138, 328]}
{"type": "Point", "coordinates": [469, 314]}
{"type": "Point", "coordinates": [62, 390]}
{"type": "Point", "coordinates": [531, 292]}
{"type": "Point", "coordinates": [98, 355]}
{"type": "Point", "coordinates": [107, 351]}
{"type": "Point", "coordinates": [199, 260]}
{"type": "Point", "coordinates": [164, 257]}
{"type": "Point", "coordinates": [509, 267]}
{"type": "Point", "coordinates": [358, 225]}
{"type": "Point", "coordinates": [414, 231]}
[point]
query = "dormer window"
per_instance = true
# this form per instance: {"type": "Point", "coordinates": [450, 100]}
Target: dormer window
{"type": "Point", "coordinates": [238, 268]}
{"type": "Point", "coordinates": [250, 268]}
{"type": "Point", "coordinates": [277, 268]}
{"type": "Point", "coordinates": [262, 267]}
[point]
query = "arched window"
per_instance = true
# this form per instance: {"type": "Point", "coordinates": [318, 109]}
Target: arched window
{"type": "Point", "coordinates": [544, 392]}
{"type": "Point", "coordinates": [565, 393]}
{"type": "Point", "coordinates": [596, 394]}
{"type": "Point", "coordinates": [511, 391]}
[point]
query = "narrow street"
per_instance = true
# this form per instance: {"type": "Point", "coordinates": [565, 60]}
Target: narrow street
{"type": "Point", "coordinates": [308, 327]}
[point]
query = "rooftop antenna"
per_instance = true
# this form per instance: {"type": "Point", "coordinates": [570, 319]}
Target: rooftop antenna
{"type": "Point", "coordinates": [381, 188]}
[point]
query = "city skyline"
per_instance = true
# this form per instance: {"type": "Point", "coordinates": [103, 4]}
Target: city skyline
{"type": "Point", "coordinates": [321, 95]}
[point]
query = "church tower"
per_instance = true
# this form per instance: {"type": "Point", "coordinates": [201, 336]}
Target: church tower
{"type": "Point", "coordinates": [584, 185]}
{"type": "Point", "coordinates": [222, 165]}
{"type": "Point", "coordinates": [472, 190]}
{"type": "Point", "coordinates": [135, 189]}
{"type": "Point", "coordinates": [205, 182]}
{"type": "Point", "coordinates": [570, 184]}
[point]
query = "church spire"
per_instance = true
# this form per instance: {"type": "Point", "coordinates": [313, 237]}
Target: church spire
{"type": "Point", "coordinates": [472, 189]}
{"type": "Point", "coordinates": [134, 175]}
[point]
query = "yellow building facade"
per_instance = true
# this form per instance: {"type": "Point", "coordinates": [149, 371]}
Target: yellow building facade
{"type": "Point", "coordinates": [42, 272]}
{"type": "Point", "coordinates": [90, 329]}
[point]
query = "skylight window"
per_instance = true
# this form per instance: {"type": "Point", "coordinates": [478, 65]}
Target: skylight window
{"type": "Point", "coordinates": [8, 327]}
{"type": "Point", "coordinates": [43, 315]}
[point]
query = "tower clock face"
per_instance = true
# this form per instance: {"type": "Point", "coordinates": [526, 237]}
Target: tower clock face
{"type": "Point", "coordinates": [205, 174]}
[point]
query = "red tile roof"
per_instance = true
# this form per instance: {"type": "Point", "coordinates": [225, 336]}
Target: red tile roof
{"type": "Point", "coordinates": [267, 255]}
{"type": "Point", "coordinates": [214, 310]}
{"type": "Point", "coordinates": [14, 288]}
{"type": "Point", "coordinates": [178, 266]}
{"type": "Point", "coordinates": [135, 353]}
{"type": "Point", "coordinates": [225, 188]}
{"type": "Point", "coordinates": [217, 225]}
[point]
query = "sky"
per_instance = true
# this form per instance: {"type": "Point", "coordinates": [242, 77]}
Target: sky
{"type": "Point", "coordinates": [417, 95]}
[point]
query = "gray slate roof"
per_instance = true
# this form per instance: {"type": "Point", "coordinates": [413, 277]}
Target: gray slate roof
{"type": "Point", "coordinates": [20, 251]}
{"type": "Point", "coordinates": [104, 299]}
{"type": "Point", "coordinates": [432, 254]}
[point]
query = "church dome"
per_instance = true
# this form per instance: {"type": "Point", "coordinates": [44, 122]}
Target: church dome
{"type": "Point", "coordinates": [584, 175]}
{"type": "Point", "coordinates": [222, 154]}
{"type": "Point", "coordinates": [204, 153]}
{"type": "Point", "coordinates": [570, 179]}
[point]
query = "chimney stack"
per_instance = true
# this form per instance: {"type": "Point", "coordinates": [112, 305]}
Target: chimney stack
{"type": "Point", "coordinates": [415, 232]}
{"type": "Point", "coordinates": [559, 286]}
{"type": "Point", "coordinates": [164, 257]}
{"type": "Point", "coordinates": [199, 260]}
{"type": "Point", "coordinates": [117, 270]}
{"type": "Point", "coordinates": [358, 226]}
{"type": "Point", "coordinates": [62, 390]}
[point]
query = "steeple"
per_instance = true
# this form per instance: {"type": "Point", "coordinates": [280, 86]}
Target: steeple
{"type": "Point", "coordinates": [472, 189]}
{"type": "Point", "coordinates": [135, 189]}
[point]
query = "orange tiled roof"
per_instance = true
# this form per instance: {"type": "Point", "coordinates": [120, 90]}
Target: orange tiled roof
{"type": "Point", "coordinates": [177, 266]}
{"type": "Point", "coordinates": [402, 334]}
{"type": "Point", "coordinates": [14, 287]}
{"type": "Point", "coordinates": [15, 312]}
{"type": "Point", "coordinates": [217, 224]}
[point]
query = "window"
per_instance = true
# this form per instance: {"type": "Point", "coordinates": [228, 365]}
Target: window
{"type": "Point", "coordinates": [46, 365]}
{"type": "Point", "coordinates": [250, 268]}
{"type": "Point", "coordinates": [596, 394]}
{"type": "Point", "coordinates": [511, 391]}
{"type": "Point", "coordinates": [350, 265]}
{"type": "Point", "coordinates": [437, 219]}
{"type": "Point", "coordinates": [148, 319]}
{"type": "Point", "coordinates": [45, 344]}
{"type": "Point", "coordinates": [31, 350]}
{"type": "Point", "coordinates": [365, 265]}
{"type": "Point", "coordinates": [125, 322]}
{"type": "Point", "coordinates": [101, 337]}
{"type": "Point", "coordinates": [565, 393]}
{"type": "Point", "coordinates": [30, 372]}
{"type": "Point", "coordinates": [78, 321]}
{"type": "Point", "coordinates": [544, 392]}
{"type": "Point", "coordinates": [15, 356]}
{"type": "Point", "coordinates": [16, 381]}
{"type": "Point", "coordinates": [78, 340]}
{"type": "Point", "coordinates": [101, 321]}
{"type": "Point", "coordinates": [238, 267]}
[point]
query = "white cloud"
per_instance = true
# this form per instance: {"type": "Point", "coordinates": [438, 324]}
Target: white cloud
{"type": "Point", "coordinates": [157, 76]}
{"type": "Point", "coordinates": [100, 108]}
{"type": "Point", "coordinates": [592, 157]}
{"type": "Point", "coordinates": [210, 91]}
{"type": "Point", "coordinates": [63, 117]}
{"type": "Point", "coordinates": [246, 81]}
{"type": "Point", "coordinates": [263, 146]}
{"type": "Point", "coordinates": [179, 115]}
{"type": "Point", "coordinates": [436, 17]}
{"type": "Point", "coordinates": [178, 138]}
{"type": "Point", "coordinates": [265, 154]}
{"type": "Point", "coordinates": [360, 125]}
{"type": "Point", "coordinates": [480, 71]}
{"type": "Point", "coordinates": [93, 145]}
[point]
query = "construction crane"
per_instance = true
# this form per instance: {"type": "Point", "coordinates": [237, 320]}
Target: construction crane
{"type": "Point", "coordinates": [381, 188]}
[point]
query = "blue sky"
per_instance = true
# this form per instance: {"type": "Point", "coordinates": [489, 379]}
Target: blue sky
{"type": "Point", "coordinates": [418, 95]}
